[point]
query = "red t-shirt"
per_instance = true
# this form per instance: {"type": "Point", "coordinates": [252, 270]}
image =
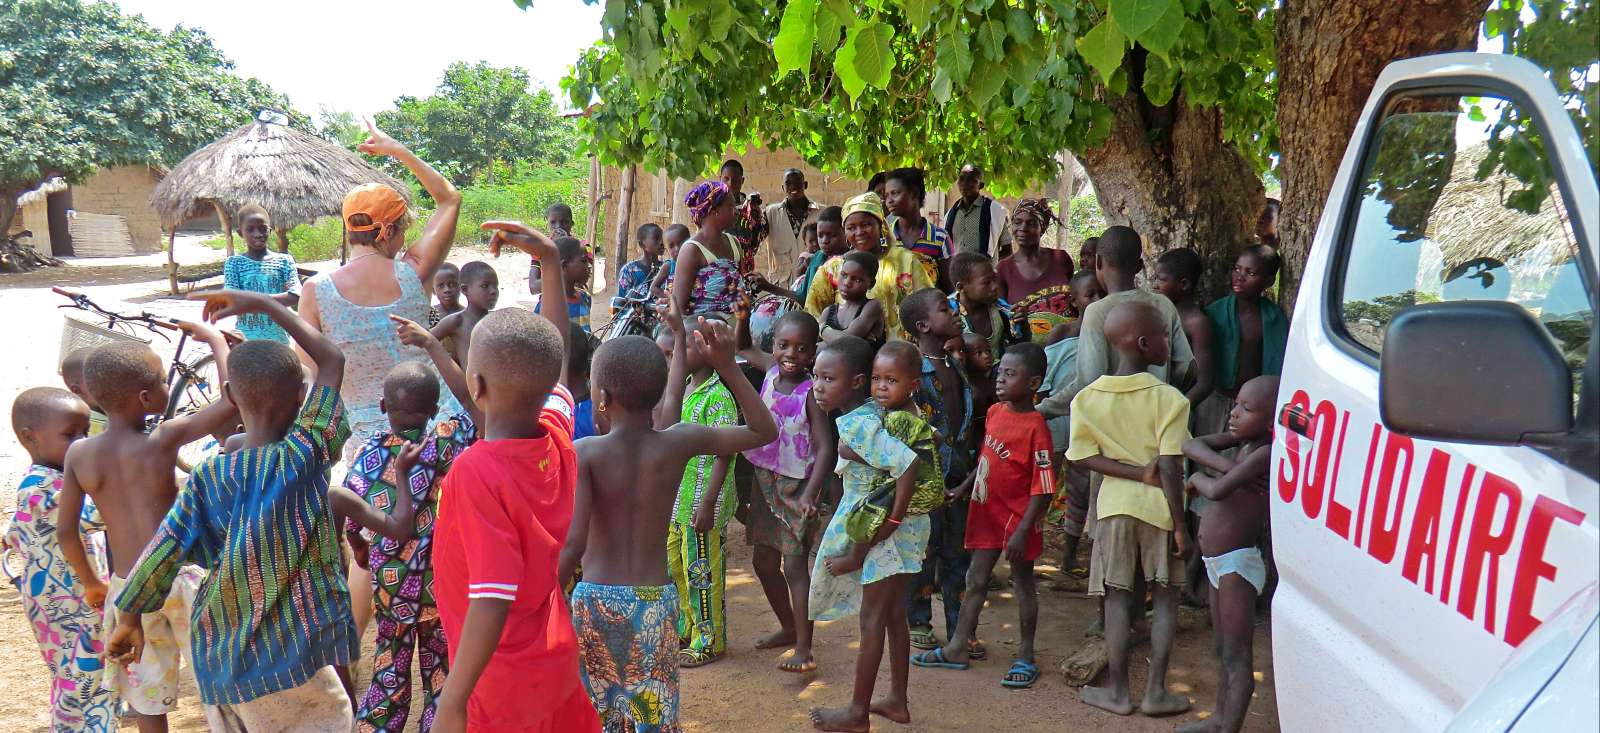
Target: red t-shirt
{"type": "Point", "coordinates": [1013, 467]}
{"type": "Point", "coordinates": [502, 518]}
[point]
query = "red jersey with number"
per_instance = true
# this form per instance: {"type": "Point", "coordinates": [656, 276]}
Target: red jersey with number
{"type": "Point", "coordinates": [1013, 467]}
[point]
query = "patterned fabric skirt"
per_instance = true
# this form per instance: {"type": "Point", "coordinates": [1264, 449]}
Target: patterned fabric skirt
{"type": "Point", "coordinates": [628, 641]}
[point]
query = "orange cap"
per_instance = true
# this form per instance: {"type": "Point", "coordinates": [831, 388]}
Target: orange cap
{"type": "Point", "coordinates": [381, 203]}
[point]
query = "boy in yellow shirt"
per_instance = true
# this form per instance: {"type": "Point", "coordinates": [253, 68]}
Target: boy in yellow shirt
{"type": "Point", "coordinates": [1130, 427]}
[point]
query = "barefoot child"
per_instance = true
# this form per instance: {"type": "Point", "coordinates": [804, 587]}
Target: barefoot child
{"type": "Point", "coordinates": [130, 476]}
{"type": "Point", "coordinates": [700, 517]}
{"type": "Point", "coordinates": [580, 353]}
{"type": "Point", "coordinates": [401, 563]}
{"type": "Point", "coordinates": [856, 314]}
{"type": "Point", "coordinates": [978, 365]}
{"type": "Point", "coordinates": [1230, 531]}
{"type": "Point", "coordinates": [261, 270]}
{"type": "Point", "coordinates": [870, 577]}
{"type": "Point", "coordinates": [504, 510]}
{"type": "Point", "coordinates": [790, 476]}
{"type": "Point", "coordinates": [257, 517]}
{"type": "Point", "coordinates": [447, 288]}
{"type": "Point", "coordinates": [1012, 486]}
{"type": "Point", "coordinates": [1250, 332]}
{"type": "Point", "coordinates": [1177, 276]}
{"type": "Point", "coordinates": [626, 609]}
{"type": "Point", "coordinates": [46, 421]}
{"type": "Point", "coordinates": [480, 285]}
{"type": "Point", "coordinates": [1129, 427]}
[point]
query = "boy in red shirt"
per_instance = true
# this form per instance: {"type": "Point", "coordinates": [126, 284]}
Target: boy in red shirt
{"type": "Point", "coordinates": [1010, 491]}
{"type": "Point", "coordinates": [502, 519]}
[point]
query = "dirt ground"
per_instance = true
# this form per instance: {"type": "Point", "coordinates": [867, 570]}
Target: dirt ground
{"type": "Point", "coordinates": [744, 691]}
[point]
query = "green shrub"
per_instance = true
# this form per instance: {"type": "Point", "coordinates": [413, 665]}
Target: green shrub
{"type": "Point", "coordinates": [523, 201]}
{"type": "Point", "coordinates": [1084, 220]}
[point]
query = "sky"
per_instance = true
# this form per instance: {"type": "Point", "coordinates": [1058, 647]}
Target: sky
{"type": "Point", "coordinates": [358, 55]}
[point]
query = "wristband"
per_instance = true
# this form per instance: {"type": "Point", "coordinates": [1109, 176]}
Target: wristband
{"type": "Point", "coordinates": [893, 521]}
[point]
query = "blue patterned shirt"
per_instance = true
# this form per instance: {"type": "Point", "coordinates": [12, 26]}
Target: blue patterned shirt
{"type": "Point", "coordinates": [954, 453]}
{"type": "Point", "coordinates": [274, 608]}
{"type": "Point", "coordinates": [273, 274]}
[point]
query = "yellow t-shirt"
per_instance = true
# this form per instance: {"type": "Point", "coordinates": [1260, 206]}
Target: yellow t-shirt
{"type": "Point", "coordinates": [899, 275]}
{"type": "Point", "coordinates": [1130, 419]}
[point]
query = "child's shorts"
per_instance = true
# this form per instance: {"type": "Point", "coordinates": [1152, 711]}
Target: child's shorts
{"type": "Point", "coordinates": [1246, 562]}
{"type": "Point", "coordinates": [773, 521]}
{"type": "Point", "coordinates": [990, 528]}
{"type": "Point", "coordinates": [318, 705]}
{"type": "Point", "coordinates": [150, 685]}
{"type": "Point", "coordinates": [1122, 544]}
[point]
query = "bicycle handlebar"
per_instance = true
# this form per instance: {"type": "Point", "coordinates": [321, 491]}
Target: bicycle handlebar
{"type": "Point", "coordinates": [82, 301]}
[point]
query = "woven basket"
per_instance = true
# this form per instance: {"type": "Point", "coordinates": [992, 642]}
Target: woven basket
{"type": "Point", "coordinates": [79, 334]}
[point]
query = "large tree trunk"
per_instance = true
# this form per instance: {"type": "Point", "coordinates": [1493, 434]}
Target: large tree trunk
{"type": "Point", "coordinates": [1329, 55]}
{"type": "Point", "coordinates": [1167, 172]}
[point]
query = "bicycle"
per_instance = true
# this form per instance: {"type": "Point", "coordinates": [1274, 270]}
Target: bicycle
{"type": "Point", "coordinates": [192, 383]}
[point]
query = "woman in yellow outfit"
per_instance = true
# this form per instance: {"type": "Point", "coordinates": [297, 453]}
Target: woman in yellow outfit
{"type": "Point", "coordinates": [899, 274]}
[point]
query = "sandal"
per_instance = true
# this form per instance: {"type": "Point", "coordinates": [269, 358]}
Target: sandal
{"type": "Point", "coordinates": [976, 651]}
{"type": "Point", "coordinates": [935, 658]}
{"type": "Point", "coordinates": [1022, 675]}
{"type": "Point", "coordinates": [922, 637]}
{"type": "Point", "coordinates": [691, 658]}
{"type": "Point", "coordinates": [788, 664]}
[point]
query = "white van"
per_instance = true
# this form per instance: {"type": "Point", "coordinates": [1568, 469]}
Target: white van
{"type": "Point", "coordinates": [1435, 496]}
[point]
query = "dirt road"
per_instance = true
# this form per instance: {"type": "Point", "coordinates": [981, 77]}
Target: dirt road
{"type": "Point", "coordinates": [744, 692]}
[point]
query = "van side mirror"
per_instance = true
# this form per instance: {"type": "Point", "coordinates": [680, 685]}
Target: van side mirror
{"type": "Point", "coordinates": [1476, 371]}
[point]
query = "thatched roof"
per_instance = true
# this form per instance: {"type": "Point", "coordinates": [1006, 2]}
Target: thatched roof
{"type": "Point", "coordinates": [295, 176]}
{"type": "Point", "coordinates": [1470, 220]}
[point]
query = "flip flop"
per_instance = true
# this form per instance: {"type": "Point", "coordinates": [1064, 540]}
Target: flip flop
{"type": "Point", "coordinates": [690, 658]}
{"type": "Point", "coordinates": [1021, 675]}
{"type": "Point", "coordinates": [788, 664]}
{"type": "Point", "coordinates": [976, 651]}
{"type": "Point", "coordinates": [935, 658]}
{"type": "Point", "coordinates": [923, 638]}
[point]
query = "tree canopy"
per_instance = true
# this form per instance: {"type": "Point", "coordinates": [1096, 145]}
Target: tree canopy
{"type": "Point", "coordinates": [863, 86]}
{"type": "Point", "coordinates": [83, 86]}
{"type": "Point", "coordinates": [481, 116]}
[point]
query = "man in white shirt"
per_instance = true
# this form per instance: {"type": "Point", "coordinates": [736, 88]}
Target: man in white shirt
{"type": "Point", "coordinates": [785, 220]}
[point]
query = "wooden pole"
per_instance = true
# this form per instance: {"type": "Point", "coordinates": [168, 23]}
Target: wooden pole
{"type": "Point", "coordinates": [283, 241]}
{"type": "Point", "coordinates": [624, 214]}
{"type": "Point", "coordinates": [227, 225]}
{"type": "Point", "coordinates": [344, 244]}
{"type": "Point", "coordinates": [172, 259]}
{"type": "Point", "coordinates": [594, 209]}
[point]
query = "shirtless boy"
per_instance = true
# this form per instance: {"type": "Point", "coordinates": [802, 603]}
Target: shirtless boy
{"type": "Point", "coordinates": [481, 288]}
{"type": "Point", "coordinates": [131, 476]}
{"type": "Point", "coordinates": [1230, 533]}
{"type": "Point", "coordinates": [628, 479]}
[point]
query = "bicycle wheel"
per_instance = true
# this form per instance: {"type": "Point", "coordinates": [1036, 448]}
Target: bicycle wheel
{"type": "Point", "coordinates": [196, 385]}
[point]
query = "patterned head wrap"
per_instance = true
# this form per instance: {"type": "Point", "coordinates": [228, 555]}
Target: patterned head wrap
{"type": "Point", "coordinates": [868, 203]}
{"type": "Point", "coordinates": [1039, 209]}
{"type": "Point", "coordinates": [704, 198]}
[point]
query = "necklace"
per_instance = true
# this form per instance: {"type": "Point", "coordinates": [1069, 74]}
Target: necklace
{"type": "Point", "coordinates": [352, 260]}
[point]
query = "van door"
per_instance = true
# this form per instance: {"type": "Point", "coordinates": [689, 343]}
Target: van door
{"type": "Point", "coordinates": [1410, 568]}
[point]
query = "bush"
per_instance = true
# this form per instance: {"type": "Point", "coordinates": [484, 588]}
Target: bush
{"type": "Point", "coordinates": [524, 201]}
{"type": "Point", "coordinates": [317, 241]}
{"type": "Point", "coordinates": [1084, 220]}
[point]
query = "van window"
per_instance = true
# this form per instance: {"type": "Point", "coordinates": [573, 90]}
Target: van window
{"type": "Point", "coordinates": [1458, 206]}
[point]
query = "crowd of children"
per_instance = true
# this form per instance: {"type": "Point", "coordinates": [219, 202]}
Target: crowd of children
{"type": "Point", "coordinates": [898, 450]}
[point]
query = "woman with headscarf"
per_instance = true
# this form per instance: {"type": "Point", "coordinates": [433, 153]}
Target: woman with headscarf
{"type": "Point", "coordinates": [1037, 282]}
{"type": "Point", "coordinates": [899, 272]}
{"type": "Point", "coordinates": [707, 277]}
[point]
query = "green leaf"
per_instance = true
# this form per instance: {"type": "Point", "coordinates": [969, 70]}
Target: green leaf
{"type": "Point", "coordinates": [955, 56]}
{"type": "Point", "coordinates": [1135, 17]}
{"type": "Point", "coordinates": [987, 78]}
{"type": "Point", "coordinates": [844, 66]}
{"type": "Point", "coordinates": [872, 59]}
{"type": "Point", "coordinates": [991, 39]}
{"type": "Point", "coordinates": [829, 29]}
{"type": "Point", "coordinates": [941, 86]}
{"type": "Point", "coordinates": [721, 21]}
{"type": "Point", "coordinates": [1021, 24]}
{"type": "Point", "coordinates": [918, 12]}
{"type": "Point", "coordinates": [1022, 65]}
{"type": "Point", "coordinates": [1164, 34]}
{"type": "Point", "coordinates": [1160, 81]}
{"type": "Point", "coordinates": [1102, 47]}
{"type": "Point", "coordinates": [678, 17]}
{"type": "Point", "coordinates": [796, 33]}
{"type": "Point", "coordinates": [616, 14]}
{"type": "Point", "coordinates": [843, 10]}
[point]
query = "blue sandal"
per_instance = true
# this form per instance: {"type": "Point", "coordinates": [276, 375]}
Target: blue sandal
{"type": "Point", "coordinates": [1021, 675]}
{"type": "Point", "coordinates": [935, 658]}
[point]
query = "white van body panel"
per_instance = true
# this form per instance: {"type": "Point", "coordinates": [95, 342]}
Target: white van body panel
{"type": "Point", "coordinates": [1535, 682]}
{"type": "Point", "coordinates": [1387, 617]}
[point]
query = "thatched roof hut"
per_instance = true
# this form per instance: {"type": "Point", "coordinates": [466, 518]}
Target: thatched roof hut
{"type": "Point", "coordinates": [295, 176]}
{"type": "Point", "coordinates": [1470, 220]}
